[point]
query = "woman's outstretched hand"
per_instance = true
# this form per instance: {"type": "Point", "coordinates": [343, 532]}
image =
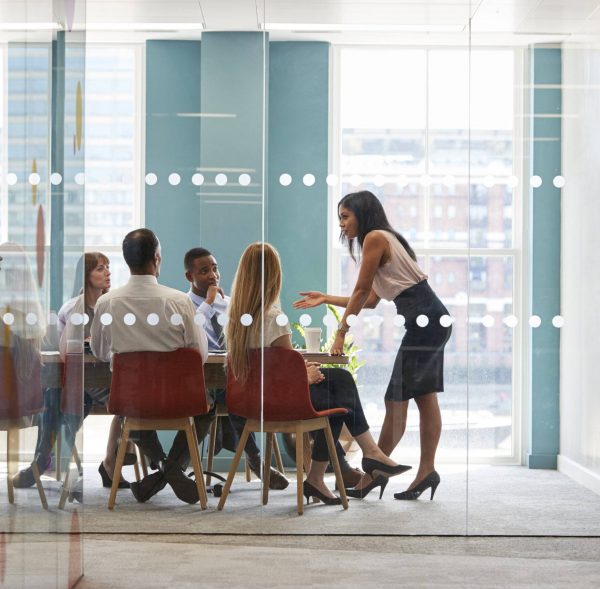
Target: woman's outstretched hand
{"type": "Point", "coordinates": [337, 347]}
{"type": "Point", "coordinates": [312, 298]}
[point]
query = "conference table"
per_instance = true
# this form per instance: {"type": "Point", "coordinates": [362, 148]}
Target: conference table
{"type": "Point", "coordinates": [97, 374]}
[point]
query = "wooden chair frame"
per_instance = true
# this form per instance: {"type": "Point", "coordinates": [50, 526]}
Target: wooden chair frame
{"type": "Point", "coordinates": [221, 411]}
{"type": "Point", "coordinates": [299, 427]}
{"type": "Point", "coordinates": [12, 452]}
{"type": "Point", "coordinates": [184, 423]}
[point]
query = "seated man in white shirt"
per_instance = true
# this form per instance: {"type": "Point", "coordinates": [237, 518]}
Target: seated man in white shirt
{"type": "Point", "coordinates": [202, 272]}
{"type": "Point", "coordinates": [143, 297]}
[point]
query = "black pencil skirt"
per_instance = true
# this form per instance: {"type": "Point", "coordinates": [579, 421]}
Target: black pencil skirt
{"type": "Point", "coordinates": [419, 365]}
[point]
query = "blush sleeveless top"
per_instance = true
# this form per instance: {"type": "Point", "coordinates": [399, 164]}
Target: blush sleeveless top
{"type": "Point", "coordinates": [398, 273]}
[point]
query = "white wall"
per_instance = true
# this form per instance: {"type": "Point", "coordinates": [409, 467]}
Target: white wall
{"type": "Point", "coordinates": [580, 341]}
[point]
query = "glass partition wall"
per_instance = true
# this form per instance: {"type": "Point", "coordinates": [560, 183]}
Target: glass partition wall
{"type": "Point", "coordinates": [480, 147]}
{"type": "Point", "coordinates": [41, 236]}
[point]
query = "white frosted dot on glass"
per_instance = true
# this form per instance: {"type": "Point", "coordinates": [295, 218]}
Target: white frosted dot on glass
{"type": "Point", "coordinates": [535, 321]}
{"type": "Point", "coordinates": [355, 180]}
{"type": "Point", "coordinates": [376, 320]}
{"type": "Point", "coordinates": [448, 180]}
{"type": "Point", "coordinates": [535, 181]}
{"type": "Point", "coordinates": [76, 318]}
{"type": "Point", "coordinates": [129, 319]}
{"type": "Point", "coordinates": [558, 321]}
{"type": "Point", "coordinates": [31, 318]}
{"type": "Point", "coordinates": [221, 179]}
{"type": "Point", "coordinates": [174, 179]}
{"type": "Point", "coordinates": [152, 319]}
{"type": "Point", "coordinates": [445, 321]}
{"type": "Point", "coordinates": [106, 319]}
{"type": "Point", "coordinates": [8, 318]}
{"type": "Point", "coordinates": [34, 179]}
{"type": "Point", "coordinates": [422, 320]}
{"type": "Point", "coordinates": [151, 179]}
{"type": "Point", "coordinates": [487, 321]}
{"type": "Point", "coordinates": [176, 319]}
{"type": "Point", "coordinates": [352, 319]}
{"type": "Point", "coordinates": [80, 178]}
{"type": "Point", "coordinates": [332, 180]}
{"type": "Point", "coordinates": [511, 321]}
{"type": "Point", "coordinates": [285, 179]}
{"type": "Point", "coordinates": [308, 179]}
{"type": "Point", "coordinates": [488, 181]}
{"type": "Point", "coordinates": [281, 320]}
{"type": "Point", "coordinates": [329, 321]}
{"type": "Point", "coordinates": [199, 319]}
{"type": "Point", "coordinates": [55, 178]}
{"type": "Point", "coordinates": [305, 319]}
{"type": "Point", "coordinates": [425, 180]}
{"type": "Point", "coordinates": [399, 320]}
{"type": "Point", "coordinates": [222, 319]}
{"type": "Point", "coordinates": [52, 318]}
{"type": "Point", "coordinates": [11, 179]}
{"type": "Point", "coordinates": [246, 319]}
{"type": "Point", "coordinates": [558, 181]}
{"type": "Point", "coordinates": [86, 318]}
{"type": "Point", "coordinates": [197, 179]}
{"type": "Point", "coordinates": [379, 180]}
{"type": "Point", "coordinates": [513, 181]}
{"type": "Point", "coordinates": [402, 181]}
{"type": "Point", "coordinates": [244, 179]}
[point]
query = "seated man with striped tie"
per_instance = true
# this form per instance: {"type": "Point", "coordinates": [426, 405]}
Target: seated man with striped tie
{"type": "Point", "coordinates": [202, 272]}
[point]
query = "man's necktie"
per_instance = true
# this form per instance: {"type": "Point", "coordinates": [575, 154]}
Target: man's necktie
{"type": "Point", "coordinates": [218, 331]}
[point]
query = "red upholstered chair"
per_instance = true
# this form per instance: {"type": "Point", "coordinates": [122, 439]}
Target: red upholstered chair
{"type": "Point", "coordinates": [20, 399]}
{"type": "Point", "coordinates": [276, 398]}
{"type": "Point", "coordinates": [158, 391]}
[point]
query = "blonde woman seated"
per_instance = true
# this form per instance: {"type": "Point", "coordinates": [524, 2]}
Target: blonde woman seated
{"type": "Point", "coordinates": [329, 387]}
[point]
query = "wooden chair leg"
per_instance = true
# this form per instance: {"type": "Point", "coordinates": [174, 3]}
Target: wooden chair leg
{"type": "Point", "coordinates": [77, 459]}
{"type": "Point", "coordinates": [234, 465]}
{"type": "Point", "coordinates": [307, 450]}
{"type": "Point", "coordinates": [38, 484]}
{"type": "Point", "coordinates": [58, 454]}
{"type": "Point", "coordinates": [119, 464]}
{"type": "Point", "coordinates": [212, 442]}
{"type": "Point", "coordinates": [278, 460]}
{"type": "Point", "coordinates": [12, 445]}
{"type": "Point", "coordinates": [299, 475]}
{"type": "Point", "coordinates": [64, 494]}
{"type": "Point", "coordinates": [248, 471]}
{"type": "Point", "coordinates": [336, 464]}
{"type": "Point", "coordinates": [192, 439]}
{"type": "Point", "coordinates": [267, 470]}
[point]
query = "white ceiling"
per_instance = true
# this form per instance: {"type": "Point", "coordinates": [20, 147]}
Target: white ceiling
{"type": "Point", "coordinates": [338, 21]}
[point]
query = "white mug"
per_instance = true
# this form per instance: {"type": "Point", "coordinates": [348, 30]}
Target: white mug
{"type": "Point", "coordinates": [312, 337]}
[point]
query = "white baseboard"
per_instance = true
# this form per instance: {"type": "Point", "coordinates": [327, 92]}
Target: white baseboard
{"type": "Point", "coordinates": [581, 474]}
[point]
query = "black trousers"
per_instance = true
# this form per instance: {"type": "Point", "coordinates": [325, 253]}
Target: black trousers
{"type": "Point", "coordinates": [337, 390]}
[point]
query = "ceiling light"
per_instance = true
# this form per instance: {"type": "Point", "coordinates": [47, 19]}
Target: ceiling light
{"type": "Point", "coordinates": [340, 28]}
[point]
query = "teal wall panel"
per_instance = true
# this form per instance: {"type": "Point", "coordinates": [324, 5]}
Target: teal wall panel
{"type": "Point", "coordinates": [233, 142]}
{"type": "Point", "coordinates": [299, 144]}
{"type": "Point", "coordinates": [173, 145]}
{"type": "Point", "coordinates": [545, 221]}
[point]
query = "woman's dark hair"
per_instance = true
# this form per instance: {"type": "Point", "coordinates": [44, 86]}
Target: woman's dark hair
{"type": "Point", "coordinates": [370, 215]}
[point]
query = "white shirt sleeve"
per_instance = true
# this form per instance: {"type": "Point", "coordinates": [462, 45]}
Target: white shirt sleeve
{"type": "Point", "coordinates": [100, 334]}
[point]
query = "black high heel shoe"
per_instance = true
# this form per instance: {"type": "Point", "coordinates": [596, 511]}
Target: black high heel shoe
{"type": "Point", "coordinates": [375, 468]}
{"type": "Point", "coordinates": [380, 481]}
{"type": "Point", "coordinates": [310, 491]}
{"type": "Point", "coordinates": [432, 480]}
{"type": "Point", "coordinates": [107, 481]}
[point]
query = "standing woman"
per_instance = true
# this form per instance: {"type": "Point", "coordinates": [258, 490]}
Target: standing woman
{"type": "Point", "coordinates": [388, 270]}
